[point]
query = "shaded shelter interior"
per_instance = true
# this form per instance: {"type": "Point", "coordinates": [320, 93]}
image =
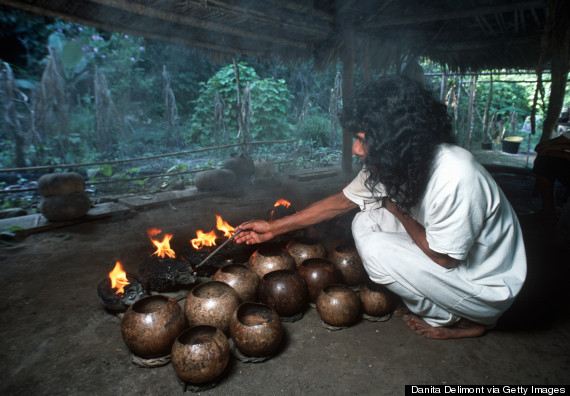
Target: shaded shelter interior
{"type": "Point", "coordinates": [58, 338]}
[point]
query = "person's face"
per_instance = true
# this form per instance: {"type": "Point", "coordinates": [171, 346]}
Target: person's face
{"type": "Point", "coordinates": [359, 146]}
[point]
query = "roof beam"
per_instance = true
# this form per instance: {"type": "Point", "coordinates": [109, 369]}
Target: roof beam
{"type": "Point", "coordinates": [170, 17]}
{"type": "Point", "coordinates": [439, 15]}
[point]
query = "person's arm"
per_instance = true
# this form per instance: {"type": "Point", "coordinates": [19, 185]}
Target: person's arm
{"type": "Point", "coordinates": [418, 234]}
{"type": "Point", "coordinates": [260, 231]}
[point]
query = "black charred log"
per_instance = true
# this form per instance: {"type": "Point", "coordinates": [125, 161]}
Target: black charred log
{"type": "Point", "coordinates": [119, 302]}
{"type": "Point", "coordinates": [231, 252]}
{"type": "Point", "coordinates": [166, 274]}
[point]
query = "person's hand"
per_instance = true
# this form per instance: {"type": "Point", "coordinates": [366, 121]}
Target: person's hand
{"type": "Point", "coordinates": [253, 232]}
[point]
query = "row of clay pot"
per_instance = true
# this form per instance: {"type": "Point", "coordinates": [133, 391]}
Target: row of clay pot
{"type": "Point", "coordinates": [156, 326]}
{"type": "Point", "coordinates": [299, 272]}
{"type": "Point", "coordinates": [227, 306]}
{"type": "Point", "coordinates": [64, 196]}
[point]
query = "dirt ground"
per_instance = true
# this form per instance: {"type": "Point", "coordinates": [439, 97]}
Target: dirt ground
{"type": "Point", "coordinates": [56, 338]}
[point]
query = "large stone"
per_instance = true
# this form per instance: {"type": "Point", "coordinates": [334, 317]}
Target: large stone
{"type": "Point", "coordinates": [214, 179]}
{"type": "Point", "coordinates": [242, 166]}
{"type": "Point", "coordinates": [263, 170]}
{"type": "Point", "coordinates": [61, 184]}
{"type": "Point", "coordinates": [65, 207]}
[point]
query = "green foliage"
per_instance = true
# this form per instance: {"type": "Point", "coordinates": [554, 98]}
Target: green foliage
{"type": "Point", "coordinates": [315, 127]}
{"type": "Point", "coordinates": [270, 102]}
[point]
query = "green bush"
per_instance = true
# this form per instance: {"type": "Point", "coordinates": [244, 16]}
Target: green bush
{"type": "Point", "coordinates": [270, 103]}
{"type": "Point", "coordinates": [315, 128]}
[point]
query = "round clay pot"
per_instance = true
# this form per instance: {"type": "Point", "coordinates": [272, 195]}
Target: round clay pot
{"type": "Point", "coordinates": [285, 291]}
{"type": "Point", "coordinates": [338, 305]}
{"type": "Point", "coordinates": [377, 300]}
{"type": "Point", "coordinates": [318, 273]}
{"type": "Point", "coordinates": [348, 262]}
{"type": "Point", "coordinates": [270, 258]}
{"type": "Point", "coordinates": [151, 324]}
{"type": "Point", "coordinates": [302, 249]}
{"type": "Point", "coordinates": [256, 329]}
{"type": "Point", "coordinates": [200, 354]}
{"type": "Point", "coordinates": [241, 278]}
{"type": "Point", "coordinates": [211, 303]}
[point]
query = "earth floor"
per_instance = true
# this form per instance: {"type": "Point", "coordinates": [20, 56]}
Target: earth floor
{"type": "Point", "coordinates": [56, 338]}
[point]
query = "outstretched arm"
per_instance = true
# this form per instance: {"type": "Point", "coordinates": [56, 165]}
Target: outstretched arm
{"type": "Point", "coordinates": [260, 231]}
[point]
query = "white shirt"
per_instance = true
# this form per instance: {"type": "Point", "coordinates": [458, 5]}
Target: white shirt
{"type": "Point", "coordinates": [466, 216]}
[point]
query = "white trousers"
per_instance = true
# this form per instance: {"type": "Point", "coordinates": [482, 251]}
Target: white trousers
{"type": "Point", "coordinates": [440, 296]}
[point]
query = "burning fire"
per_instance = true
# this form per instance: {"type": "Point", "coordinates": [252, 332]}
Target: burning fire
{"type": "Point", "coordinates": [282, 202]}
{"type": "Point", "coordinates": [118, 278]}
{"type": "Point", "coordinates": [204, 239]}
{"type": "Point", "coordinates": [209, 239]}
{"type": "Point", "coordinates": [223, 226]}
{"type": "Point", "coordinates": [162, 248]}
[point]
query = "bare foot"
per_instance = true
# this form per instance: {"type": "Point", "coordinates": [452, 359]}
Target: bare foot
{"type": "Point", "coordinates": [401, 310]}
{"type": "Point", "coordinates": [462, 329]}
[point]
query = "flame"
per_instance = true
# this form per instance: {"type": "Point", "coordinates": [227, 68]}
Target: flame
{"type": "Point", "coordinates": [282, 202]}
{"type": "Point", "coordinates": [118, 278]}
{"type": "Point", "coordinates": [223, 226]}
{"type": "Point", "coordinates": [153, 232]}
{"type": "Point", "coordinates": [204, 239]}
{"type": "Point", "coordinates": [162, 248]}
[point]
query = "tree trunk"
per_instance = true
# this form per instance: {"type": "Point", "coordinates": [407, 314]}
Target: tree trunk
{"type": "Point", "coordinates": [12, 124]}
{"type": "Point", "coordinates": [472, 92]}
{"type": "Point", "coordinates": [239, 112]}
{"type": "Point", "coordinates": [347, 87]}
{"type": "Point", "coordinates": [443, 87]}
{"type": "Point", "coordinates": [486, 136]}
{"type": "Point", "coordinates": [456, 106]}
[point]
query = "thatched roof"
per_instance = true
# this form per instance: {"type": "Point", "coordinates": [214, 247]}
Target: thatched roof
{"type": "Point", "coordinates": [463, 34]}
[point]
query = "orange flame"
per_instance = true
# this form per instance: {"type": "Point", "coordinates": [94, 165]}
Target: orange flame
{"type": "Point", "coordinates": [282, 202]}
{"type": "Point", "coordinates": [224, 226]}
{"type": "Point", "coordinates": [204, 239]}
{"type": "Point", "coordinates": [162, 248]}
{"type": "Point", "coordinates": [118, 278]}
{"type": "Point", "coordinates": [153, 232]}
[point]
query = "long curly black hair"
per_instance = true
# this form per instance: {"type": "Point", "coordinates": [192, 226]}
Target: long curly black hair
{"type": "Point", "coordinates": [403, 125]}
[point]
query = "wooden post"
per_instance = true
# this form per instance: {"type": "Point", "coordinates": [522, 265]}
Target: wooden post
{"type": "Point", "coordinates": [560, 68]}
{"type": "Point", "coordinates": [443, 87]}
{"type": "Point", "coordinates": [239, 109]}
{"type": "Point", "coordinates": [347, 87]}
{"type": "Point", "coordinates": [470, 111]}
{"type": "Point", "coordinates": [486, 123]}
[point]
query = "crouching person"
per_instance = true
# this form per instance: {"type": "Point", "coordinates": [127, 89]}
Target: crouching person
{"type": "Point", "coordinates": [433, 225]}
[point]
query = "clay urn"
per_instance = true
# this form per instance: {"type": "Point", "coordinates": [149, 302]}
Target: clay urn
{"type": "Point", "coordinates": [338, 305]}
{"type": "Point", "coordinates": [241, 278]}
{"type": "Point", "coordinates": [151, 324]}
{"type": "Point", "coordinates": [285, 291]}
{"type": "Point", "coordinates": [377, 300]}
{"type": "Point", "coordinates": [256, 329]}
{"type": "Point", "coordinates": [318, 273]}
{"type": "Point", "coordinates": [270, 258]}
{"type": "Point", "coordinates": [305, 248]}
{"type": "Point", "coordinates": [200, 354]}
{"type": "Point", "coordinates": [348, 262]}
{"type": "Point", "coordinates": [211, 303]}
